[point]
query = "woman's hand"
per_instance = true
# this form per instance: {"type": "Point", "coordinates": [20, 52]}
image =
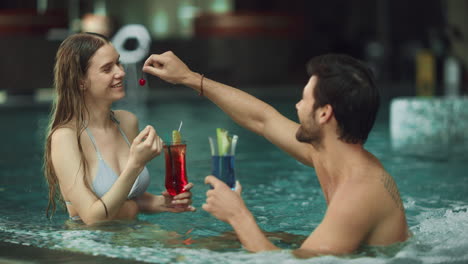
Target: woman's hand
{"type": "Point", "coordinates": [146, 146]}
{"type": "Point", "coordinates": [179, 203]}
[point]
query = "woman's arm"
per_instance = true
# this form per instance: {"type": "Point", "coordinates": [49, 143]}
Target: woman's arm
{"type": "Point", "coordinates": [67, 164]}
{"type": "Point", "coordinates": [128, 211]}
{"type": "Point", "coordinates": [150, 203]}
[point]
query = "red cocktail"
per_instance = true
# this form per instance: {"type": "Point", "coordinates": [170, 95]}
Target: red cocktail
{"type": "Point", "coordinates": [176, 172]}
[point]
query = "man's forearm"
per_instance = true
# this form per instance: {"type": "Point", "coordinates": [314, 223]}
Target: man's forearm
{"type": "Point", "coordinates": [250, 235]}
{"type": "Point", "coordinates": [243, 108]}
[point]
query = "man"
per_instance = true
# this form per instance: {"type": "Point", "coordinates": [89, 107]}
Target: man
{"type": "Point", "coordinates": [337, 111]}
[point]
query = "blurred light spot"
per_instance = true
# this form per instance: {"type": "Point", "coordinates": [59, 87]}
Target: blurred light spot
{"type": "Point", "coordinates": [161, 23]}
{"type": "Point", "coordinates": [221, 6]}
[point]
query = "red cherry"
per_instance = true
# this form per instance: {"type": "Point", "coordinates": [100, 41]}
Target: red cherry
{"type": "Point", "coordinates": [142, 81]}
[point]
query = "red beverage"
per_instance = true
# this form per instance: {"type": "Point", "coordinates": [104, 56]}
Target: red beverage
{"type": "Point", "coordinates": [176, 172]}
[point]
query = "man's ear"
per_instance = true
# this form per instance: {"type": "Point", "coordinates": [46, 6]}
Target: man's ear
{"type": "Point", "coordinates": [325, 113]}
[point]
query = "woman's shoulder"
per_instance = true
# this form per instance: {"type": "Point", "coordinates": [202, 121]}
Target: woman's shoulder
{"type": "Point", "coordinates": [125, 117]}
{"type": "Point", "coordinates": [128, 122]}
{"type": "Point", "coordinates": [63, 137]}
{"type": "Point", "coordinates": [64, 131]}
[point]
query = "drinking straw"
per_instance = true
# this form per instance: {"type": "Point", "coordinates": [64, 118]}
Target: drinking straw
{"type": "Point", "coordinates": [180, 126]}
{"type": "Point", "coordinates": [233, 144]}
{"type": "Point", "coordinates": [212, 147]}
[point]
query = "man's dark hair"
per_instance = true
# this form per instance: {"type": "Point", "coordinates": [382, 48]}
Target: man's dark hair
{"type": "Point", "coordinates": [348, 85]}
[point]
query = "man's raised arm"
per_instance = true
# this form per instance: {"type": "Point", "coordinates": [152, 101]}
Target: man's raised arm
{"type": "Point", "coordinates": [243, 108]}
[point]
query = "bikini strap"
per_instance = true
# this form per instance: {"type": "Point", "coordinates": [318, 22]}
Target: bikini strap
{"type": "Point", "coordinates": [94, 143]}
{"type": "Point", "coordinates": [113, 118]}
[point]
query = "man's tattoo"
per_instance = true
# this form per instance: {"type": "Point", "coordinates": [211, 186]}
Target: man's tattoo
{"type": "Point", "coordinates": [392, 189]}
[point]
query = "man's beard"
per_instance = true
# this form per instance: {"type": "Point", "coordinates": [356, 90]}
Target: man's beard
{"type": "Point", "coordinates": [313, 135]}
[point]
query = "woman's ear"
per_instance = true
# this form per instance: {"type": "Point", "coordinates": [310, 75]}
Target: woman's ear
{"type": "Point", "coordinates": [82, 85]}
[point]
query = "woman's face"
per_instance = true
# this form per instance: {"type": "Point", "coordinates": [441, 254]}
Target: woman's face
{"type": "Point", "coordinates": [104, 79]}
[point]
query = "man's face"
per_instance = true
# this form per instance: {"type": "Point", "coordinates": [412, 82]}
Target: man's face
{"type": "Point", "coordinates": [309, 131]}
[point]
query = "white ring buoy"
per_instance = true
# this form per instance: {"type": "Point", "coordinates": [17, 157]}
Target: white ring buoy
{"type": "Point", "coordinates": [141, 34]}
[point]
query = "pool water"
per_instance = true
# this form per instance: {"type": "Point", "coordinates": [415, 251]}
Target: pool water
{"type": "Point", "coordinates": [283, 194]}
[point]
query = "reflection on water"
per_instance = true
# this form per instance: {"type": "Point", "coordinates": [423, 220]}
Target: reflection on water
{"type": "Point", "coordinates": [283, 195]}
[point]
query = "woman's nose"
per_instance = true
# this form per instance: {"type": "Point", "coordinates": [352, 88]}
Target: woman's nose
{"type": "Point", "coordinates": [120, 72]}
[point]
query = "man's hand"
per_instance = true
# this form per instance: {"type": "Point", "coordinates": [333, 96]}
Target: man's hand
{"type": "Point", "coordinates": [227, 205]}
{"type": "Point", "coordinates": [222, 202]}
{"type": "Point", "coordinates": [167, 66]}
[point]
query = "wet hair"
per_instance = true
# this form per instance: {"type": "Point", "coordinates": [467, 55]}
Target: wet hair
{"type": "Point", "coordinates": [71, 65]}
{"type": "Point", "coordinates": [348, 85]}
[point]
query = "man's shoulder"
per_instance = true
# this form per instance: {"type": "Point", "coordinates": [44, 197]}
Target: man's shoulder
{"type": "Point", "coordinates": [365, 191]}
{"type": "Point", "coordinates": [372, 190]}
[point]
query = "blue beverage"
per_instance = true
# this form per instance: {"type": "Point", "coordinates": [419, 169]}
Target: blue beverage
{"type": "Point", "coordinates": [223, 168]}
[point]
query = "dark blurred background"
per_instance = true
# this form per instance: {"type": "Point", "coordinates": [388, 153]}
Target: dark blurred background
{"type": "Point", "coordinates": [245, 42]}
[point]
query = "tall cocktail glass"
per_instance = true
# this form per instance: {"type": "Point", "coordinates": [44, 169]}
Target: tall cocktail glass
{"type": "Point", "coordinates": [223, 161]}
{"type": "Point", "coordinates": [176, 171]}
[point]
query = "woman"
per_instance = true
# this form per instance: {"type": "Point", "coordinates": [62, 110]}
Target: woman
{"type": "Point", "coordinates": [94, 157]}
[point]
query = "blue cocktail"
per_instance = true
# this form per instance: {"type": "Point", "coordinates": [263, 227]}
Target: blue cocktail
{"type": "Point", "coordinates": [223, 168]}
{"type": "Point", "coordinates": [223, 153]}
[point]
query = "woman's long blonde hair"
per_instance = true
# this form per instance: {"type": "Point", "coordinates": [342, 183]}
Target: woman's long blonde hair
{"type": "Point", "coordinates": [71, 66]}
